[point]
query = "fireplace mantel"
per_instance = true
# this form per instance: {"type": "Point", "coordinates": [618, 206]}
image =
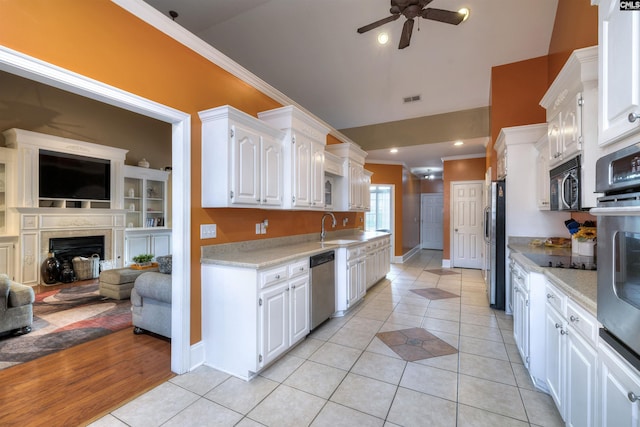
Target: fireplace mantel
{"type": "Point", "coordinates": [38, 225]}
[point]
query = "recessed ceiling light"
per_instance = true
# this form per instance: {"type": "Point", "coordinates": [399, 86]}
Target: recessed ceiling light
{"type": "Point", "coordinates": [383, 38]}
{"type": "Point", "coordinates": [464, 11]}
{"type": "Point", "coordinates": [393, 150]}
{"type": "Point", "coordinates": [458, 143]}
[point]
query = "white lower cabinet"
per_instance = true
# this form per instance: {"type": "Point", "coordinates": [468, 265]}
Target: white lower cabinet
{"type": "Point", "coordinates": [358, 268]}
{"type": "Point", "coordinates": [528, 313]}
{"type": "Point", "coordinates": [618, 389]}
{"type": "Point", "coordinates": [251, 317]}
{"type": "Point", "coordinates": [147, 241]}
{"type": "Point", "coordinates": [7, 249]}
{"type": "Point", "coordinates": [571, 358]}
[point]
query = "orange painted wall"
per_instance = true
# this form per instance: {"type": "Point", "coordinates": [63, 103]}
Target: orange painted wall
{"type": "Point", "coordinates": [391, 175]}
{"type": "Point", "coordinates": [516, 91]}
{"type": "Point", "coordinates": [575, 27]}
{"type": "Point", "coordinates": [431, 186]}
{"type": "Point", "coordinates": [457, 170]}
{"type": "Point", "coordinates": [100, 40]}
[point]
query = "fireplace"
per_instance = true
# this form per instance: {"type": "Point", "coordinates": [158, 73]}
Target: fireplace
{"type": "Point", "coordinates": [66, 248]}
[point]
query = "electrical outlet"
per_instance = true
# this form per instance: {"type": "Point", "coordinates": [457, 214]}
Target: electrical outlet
{"type": "Point", "coordinates": [259, 228]}
{"type": "Point", "coordinates": [208, 231]}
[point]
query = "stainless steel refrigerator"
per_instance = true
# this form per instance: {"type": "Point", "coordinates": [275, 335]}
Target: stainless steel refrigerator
{"type": "Point", "coordinates": [494, 234]}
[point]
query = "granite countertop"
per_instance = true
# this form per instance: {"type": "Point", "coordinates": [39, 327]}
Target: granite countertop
{"type": "Point", "coordinates": [269, 252]}
{"type": "Point", "coordinates": [579, 285]}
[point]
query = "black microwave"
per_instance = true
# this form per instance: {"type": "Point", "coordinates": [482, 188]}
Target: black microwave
{"type": "Point", "coordinates": [564, 181]}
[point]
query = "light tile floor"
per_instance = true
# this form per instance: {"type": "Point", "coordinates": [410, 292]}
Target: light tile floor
{"type": "Point", "coordinates": [343, 375]}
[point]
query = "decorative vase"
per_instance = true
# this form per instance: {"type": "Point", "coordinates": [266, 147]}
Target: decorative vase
{"type": "Point", "coordinates": [50, 269]}
{"type": "Point", "coordinates": [66, 275]}
{"type": "Point", "coordinates": [143, 163]}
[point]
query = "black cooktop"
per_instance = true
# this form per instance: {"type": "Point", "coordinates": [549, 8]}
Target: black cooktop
{"type": "Point", "coordinates": [578, 262]}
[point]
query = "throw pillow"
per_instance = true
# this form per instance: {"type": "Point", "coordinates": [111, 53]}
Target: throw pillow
{"type": "Point", "coordinates": [164, 264]}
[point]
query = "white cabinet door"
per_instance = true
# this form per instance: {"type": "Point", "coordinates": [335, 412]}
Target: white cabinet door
{"type": "Point", "coordinates": [521, 320]}
{"type": "Point", "coordinates": [618, 390]}
{"type": "Point", "coordinates": [355, 185]}
{"type": "Point", "coordinates": [581, 381]}
{"type": "Point", "coordinates": [274, 315]}
{"type": "Point", "coordinates": [299, 308]}
{"type": "Point", "coordinates": [362, 278]}
{"type": "Point", "coordinates": [272, 167]}
{"type": "Point", "coordinates": [136, 245]}
{"type": "Point", "coordinates": [161, 244]}
{"type": "Point", "coordinates": [554, 356]}
{"type": "Point", "coordinates": [245, 176]}
{"type": "Point", "coordinates": [352, 283]}
{"type": "Point", "coordinates": [301, 172]}
{"type": "Point", "coordinates": [317, 176]}
{"type": "Point", "coordinates": [554, 135]}
{"type": "Point", "coordinates": [619, 76]}
{"type": "Point", "coordinates": [6, 259]}
{"type": "Point", "coordinates": [571, 128]}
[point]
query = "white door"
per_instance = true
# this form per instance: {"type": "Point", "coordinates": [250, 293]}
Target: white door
{"type": "Point", "coordinates": [431, 221]}
{"type": "Point", "coordinates": [467, 233]}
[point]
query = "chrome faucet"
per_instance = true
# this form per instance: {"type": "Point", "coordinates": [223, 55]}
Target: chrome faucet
{"type": "Point", "coordinates": [333, 224]}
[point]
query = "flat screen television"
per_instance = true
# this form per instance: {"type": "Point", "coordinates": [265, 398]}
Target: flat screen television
{"type": "Point", "coordinates": [69, 176]}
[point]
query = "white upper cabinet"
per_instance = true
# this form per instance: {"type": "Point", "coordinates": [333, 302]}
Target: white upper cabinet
{"type": "Point", "coordinates": [303, 156]}
{"type": "Point", "coordinates": [242, 160]}
{"type": "Point", "coordinates": [572, 109]}
{"type": "Point", "coordinates": [354, 192]}
{"type": "Point", "coordinates": [619, 67]}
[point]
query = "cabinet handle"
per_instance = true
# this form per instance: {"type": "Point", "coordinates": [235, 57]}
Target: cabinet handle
{"type": "Point", "coordinates": [632, 397]}
{"type": "Point", "coordinates": [277, 276]}
{"type": "Point", "coordinates": [633, 117]}
{"type": "Point", "coordinates": [563, 332]}
{"type": "Point", "coordinates": [558, 325]}
{"type": "Point", "coordinates": [549, 296]}
{"type": "Point", "coordinates": [574, 318]}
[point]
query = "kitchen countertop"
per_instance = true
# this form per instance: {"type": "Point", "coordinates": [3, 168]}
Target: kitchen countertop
{"type": "Point", "coordinates": [580, 285]}
{"type": "Point", "coordinates": [269, 252]}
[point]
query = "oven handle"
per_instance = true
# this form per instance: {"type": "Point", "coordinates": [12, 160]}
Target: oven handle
{"type": "Point", "coordinates": [616, 211]}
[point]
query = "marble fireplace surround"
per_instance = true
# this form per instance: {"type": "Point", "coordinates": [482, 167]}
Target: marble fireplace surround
{"type": "Point", "coordinates": [38, 225]}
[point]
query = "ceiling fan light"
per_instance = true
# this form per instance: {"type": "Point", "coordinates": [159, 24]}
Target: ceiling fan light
{"type": "Point", "coordinates": [464, 12]}
{"type": "Point", "coordinates": [383, 38]}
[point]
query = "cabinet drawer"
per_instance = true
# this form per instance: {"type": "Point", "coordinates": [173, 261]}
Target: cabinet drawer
{"type": "Point", "coordinates": [298, 268]}
{"type": "Point", "coordinates": [555, 298]}
{"type": "Point", "coordinates": [353, 253]}
{"type": "Point", "coordinates": [273, 275]}
{"type": "Point", "coordinates": [582, 321]}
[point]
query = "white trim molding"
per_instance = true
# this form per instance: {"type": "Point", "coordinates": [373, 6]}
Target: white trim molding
{"type": "Point", "coordinates": [34, 69]}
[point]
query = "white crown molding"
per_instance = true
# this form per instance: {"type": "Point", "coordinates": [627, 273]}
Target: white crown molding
{"type": "Point", "coordinates": [164, 24]}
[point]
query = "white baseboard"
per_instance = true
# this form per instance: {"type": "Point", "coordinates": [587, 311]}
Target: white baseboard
{"type": "Point", "coordinates": [446, 263]}
{"type": "Point", "coordinates": [196, 356]}
{"type": "Point", "coordinates": [405, 257]}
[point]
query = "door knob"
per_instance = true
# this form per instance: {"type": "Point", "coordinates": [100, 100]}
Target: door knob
{"type": "Point", "coordinates": [633, 116]}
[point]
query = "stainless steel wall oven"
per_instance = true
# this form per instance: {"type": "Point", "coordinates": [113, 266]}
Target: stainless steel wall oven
{"type": "Point", "coordinates": [618, 250]}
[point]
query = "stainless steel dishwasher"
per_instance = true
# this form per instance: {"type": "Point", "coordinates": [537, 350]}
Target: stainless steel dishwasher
{"type": "Point", "coordinates": [323, 287]}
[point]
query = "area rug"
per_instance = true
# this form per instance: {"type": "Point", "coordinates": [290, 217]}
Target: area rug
{"type": "Point", "coordinates": [63, 318]}
{"type": "Point", "coordinates": [415, 344]}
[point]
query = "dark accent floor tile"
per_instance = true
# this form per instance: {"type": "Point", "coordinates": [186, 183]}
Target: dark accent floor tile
{"type": "Point", "coordinates": [441, 271]}
{"type": "Point", "coordinates": [434, 293]}
{"type": "Point", "coordinates": [415, 344]}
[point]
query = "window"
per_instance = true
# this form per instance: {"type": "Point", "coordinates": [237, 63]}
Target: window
{"type": "Point", "coordinates": [379, 217]}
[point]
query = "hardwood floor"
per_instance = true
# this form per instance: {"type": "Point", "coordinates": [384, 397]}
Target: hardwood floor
{"type": "Point", "coordinates": [76, 386]}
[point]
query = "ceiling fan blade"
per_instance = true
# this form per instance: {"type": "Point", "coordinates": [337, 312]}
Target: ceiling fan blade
{"type": "Point", "coordinates": [446, 16]}
{"type": "Point", "coordinates": [377, 23]}
{"type": "Point", "coordinates": [405, 38]}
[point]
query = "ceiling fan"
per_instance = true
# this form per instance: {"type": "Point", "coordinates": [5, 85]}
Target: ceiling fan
{"type": "Point", "coordinates": [412, 9]}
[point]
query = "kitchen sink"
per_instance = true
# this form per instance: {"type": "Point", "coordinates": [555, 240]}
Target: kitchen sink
{"type": "Point", "coordinates": [340, 242]}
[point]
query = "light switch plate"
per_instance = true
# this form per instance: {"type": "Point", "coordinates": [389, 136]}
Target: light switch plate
{"type": "Point", "coordinates": [208, 231]}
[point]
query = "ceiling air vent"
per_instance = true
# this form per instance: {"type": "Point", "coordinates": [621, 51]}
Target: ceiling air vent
{"type": "Point", "coordinates": [409, 99]}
